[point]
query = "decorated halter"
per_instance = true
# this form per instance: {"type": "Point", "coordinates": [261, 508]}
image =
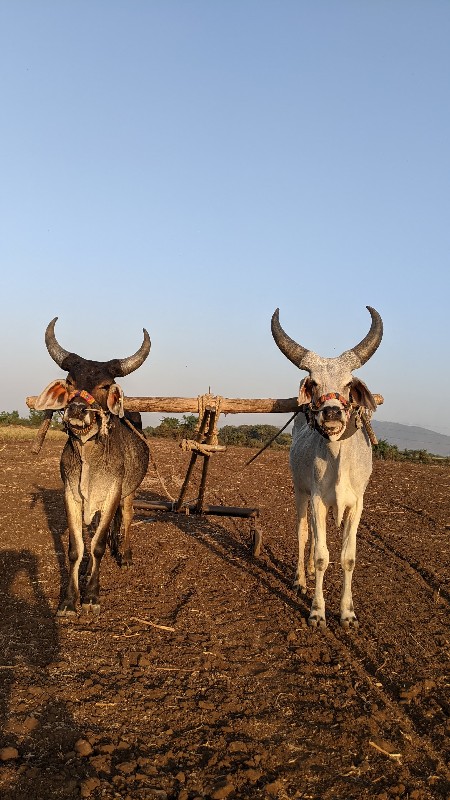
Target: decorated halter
{"type": "Point", "coordinates": [352, 424]}
{"type": "Point", "coordinates": [84, 395]}
{"type": "Point", "coordinates": [331, 396]}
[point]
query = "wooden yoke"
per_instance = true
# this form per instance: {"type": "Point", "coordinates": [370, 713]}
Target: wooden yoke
{"type": "Point", "coordinates": [186, 405]}
{"type": "Point", "coordinates": [229, 405]}
{"type": "Point", "coordinates": [204, 444]}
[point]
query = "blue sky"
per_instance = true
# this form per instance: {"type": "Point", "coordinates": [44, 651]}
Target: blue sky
{"type": "Point", "coordinates": [188, 166]}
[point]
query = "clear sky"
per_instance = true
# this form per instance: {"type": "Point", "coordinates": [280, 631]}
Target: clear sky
{"type": "Point", "coordinates": [190, 165]}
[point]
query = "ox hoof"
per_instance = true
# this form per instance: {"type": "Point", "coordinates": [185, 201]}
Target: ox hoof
{"type": "Point", "coordinates": [90, 608]}
{"type": "Point", "coordinates": [66, 609]}
{"type": "Point", "coordinates": [299, 588]}
{"type": "Point", "coordinates": [126, 560]}
{"type": "Point", "coordinates": [350, 623]}
{"type": "Point", "coordinates": [314, 621]}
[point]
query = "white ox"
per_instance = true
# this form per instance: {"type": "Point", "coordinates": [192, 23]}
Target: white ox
{"type": "Point", "coordinates": [330, 458]}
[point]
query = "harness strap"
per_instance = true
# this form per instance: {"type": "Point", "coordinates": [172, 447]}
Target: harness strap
{"type": "Point", "coordinates": [331, 396]}
{"type": "Point", "coordinates": [85, 395]}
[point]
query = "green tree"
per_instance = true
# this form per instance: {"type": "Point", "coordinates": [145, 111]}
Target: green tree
{"type": "Point", "coordinates": [35, 418]}
{"type": "Point", "coordinates": [189, 425]}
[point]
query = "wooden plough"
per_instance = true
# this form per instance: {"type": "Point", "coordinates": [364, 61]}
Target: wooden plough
{"type": "Point", "coordinates": [203, 445]}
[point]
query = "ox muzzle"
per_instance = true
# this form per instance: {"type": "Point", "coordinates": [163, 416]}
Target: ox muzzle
{"type": "Point", "coordinates": [330, 415]}
{"type": "Point", "coordinates": [81, 415]}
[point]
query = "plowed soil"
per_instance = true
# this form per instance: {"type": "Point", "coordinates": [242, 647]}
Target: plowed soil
{"type": "Point", "coordinates": [201, 678]}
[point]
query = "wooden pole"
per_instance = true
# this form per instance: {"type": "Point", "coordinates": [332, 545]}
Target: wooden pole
{"type": "Point", "coordinates": [229, 405]}
{"type": "Point", "coordinates": [42, 432]}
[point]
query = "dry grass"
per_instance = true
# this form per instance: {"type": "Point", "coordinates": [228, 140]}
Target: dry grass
{"type": "Point", "coordinates": [21, 433]}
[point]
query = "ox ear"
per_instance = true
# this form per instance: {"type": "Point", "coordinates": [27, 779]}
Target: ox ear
{"type": "Point", "coordinates": [361, 395]}
{"type": "Point", "coordinates": [54, 397]}
{"type": "Point", "coordinates": [115, 400]}
{"type": "Point", "coordinates": [305, 392]}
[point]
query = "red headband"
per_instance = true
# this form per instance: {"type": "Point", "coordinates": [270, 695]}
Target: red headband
{"type": "Point", "coordinates": [85, 395]}
{"type": "Point", "coordinates": [331, 396]}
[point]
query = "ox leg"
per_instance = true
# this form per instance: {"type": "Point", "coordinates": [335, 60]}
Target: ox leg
{"type": "Point", "coordinates": [115, 536]}
{"type": "Point", "coordinates": [311, 569]}
{"type": "Point", "coordinates": [75, 553]}
{"type": "Point", "coordinates": [348, 558]}
{"type": "Point", "coordinates": [301, 500]}
{"type": "Point", "coordinates": [120, 532]}
{"type": "Point", "coordinates": [91, 594]}
{"type": "Point", "coordinates": [321, 560]}
{"type": "Point", "coordinates": [127, 519]}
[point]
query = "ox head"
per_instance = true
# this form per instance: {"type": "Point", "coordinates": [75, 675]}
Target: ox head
{"type": "Point", "coordinates": [89, 393]}
{"type": "Point", "coordinates": [331, 390]}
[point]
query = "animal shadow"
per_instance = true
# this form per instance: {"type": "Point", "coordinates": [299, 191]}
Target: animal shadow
{"type": "Point", "coordinates": [52, 501]}
{"type": "Point", "coordinates": [38, 725]}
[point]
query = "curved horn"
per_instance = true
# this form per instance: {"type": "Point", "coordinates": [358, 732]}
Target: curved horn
{"type": "Point", "coordinates": [131, 363]}
{"type": "Point", "coordinates": [366, 348]}
{"type": "Point", "coordinates": [293, 351]}
{"type": "Point", "coordinates": [56, 351]}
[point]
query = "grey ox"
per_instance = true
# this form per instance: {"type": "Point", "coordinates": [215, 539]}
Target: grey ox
{"type": "Point", "coordinates": [102, 464]}
{"type": "Point", "coordinates": [330, 458]}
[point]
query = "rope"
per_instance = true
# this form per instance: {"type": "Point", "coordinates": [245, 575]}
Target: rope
{"type": "Point", "coordinates": [205, 401]}
{"type": "Point", "coordinates": [152, 460]}
{"type": "Point", "coordinates": [272, 439]}
{"type": "Point", "coordinates": [191, 445]}
{"type": "Point", "coordinates": [365, 416]}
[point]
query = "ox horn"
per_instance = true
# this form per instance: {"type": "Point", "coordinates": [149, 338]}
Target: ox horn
{"type": "Point", "coordinates": [131, 363]}
{"type": "Point", "coordinates": [366, 348]}
{"type": "Point", "coordinates": [54, 348]}
{"type": "Point", "coordinates": [293, 351]}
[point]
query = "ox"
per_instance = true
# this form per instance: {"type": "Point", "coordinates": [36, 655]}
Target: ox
{"type": "Point", "coordinates": [330, 458]}
{"type": "Point", "coordinates": [102, 464]}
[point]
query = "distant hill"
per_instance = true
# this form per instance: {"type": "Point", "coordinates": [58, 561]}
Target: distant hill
{"type": "Point", "coordinates": [410, 437]}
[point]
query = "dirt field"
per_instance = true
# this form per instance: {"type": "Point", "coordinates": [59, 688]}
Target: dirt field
{"type": "Point", "coordinates": [233, 696]}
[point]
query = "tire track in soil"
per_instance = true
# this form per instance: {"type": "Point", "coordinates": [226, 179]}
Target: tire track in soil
{"type": "Point", "coordinates": [432, 584]}
{"type": "Point", "coordinates": [358, 658]}
{"type": "Point", "coordinates": [364, 666]}
{"type": "Point", "coordinates": [385, 691]}
{"type": "Point", "coordinates": [428, 577]}
{"type": "Point", "coordinates": [415, 713]}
